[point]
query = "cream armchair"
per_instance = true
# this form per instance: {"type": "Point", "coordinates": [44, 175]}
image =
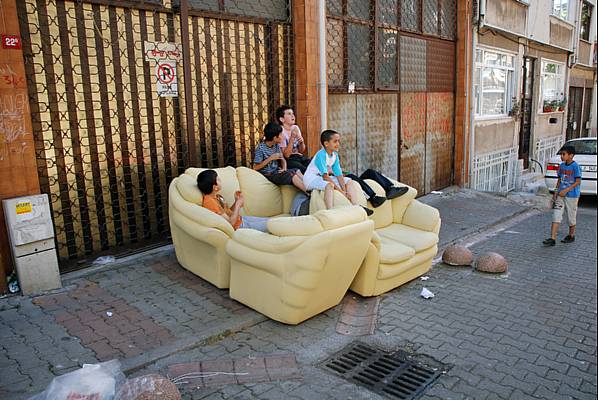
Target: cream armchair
{"type": "Point", "coordinates": [403, 245]}
{"type": "Point", "coordinates": [304, 267]}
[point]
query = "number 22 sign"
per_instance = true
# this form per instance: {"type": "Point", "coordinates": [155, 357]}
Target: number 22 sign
{"type": "Point", "coordinates": [11, 42]}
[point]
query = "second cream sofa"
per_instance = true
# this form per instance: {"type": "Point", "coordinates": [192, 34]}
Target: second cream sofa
{"type": "Point", "coordinates": [404, 243]}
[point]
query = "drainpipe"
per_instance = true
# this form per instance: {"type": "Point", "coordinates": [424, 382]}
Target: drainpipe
{"type": "Point", "coordinates": [322, 89]}
{"type": "Point", "coordinates": [474, 44]}
{"type": "Point", "coordinates": [192, 158]}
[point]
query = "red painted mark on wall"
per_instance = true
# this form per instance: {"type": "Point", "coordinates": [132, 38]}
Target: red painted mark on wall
{"type": "Point", "coordinates": [10, 77]}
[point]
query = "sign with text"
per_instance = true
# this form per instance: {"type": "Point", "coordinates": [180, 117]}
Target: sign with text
{"type": "Point", "coordinates": [166, 81]}
{"type": "Point", "coordinates": [163, 51]}
{"type": "Point", "coordinates": [11, 42]}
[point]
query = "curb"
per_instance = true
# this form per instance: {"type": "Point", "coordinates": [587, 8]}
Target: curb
{"type": "Point", "coordinates": [213, 335]}
{"type": "Point", "coordinates": [468, 239]}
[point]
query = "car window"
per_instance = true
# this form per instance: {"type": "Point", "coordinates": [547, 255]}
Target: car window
{"type": "Point", "coordinates": [586, 147]}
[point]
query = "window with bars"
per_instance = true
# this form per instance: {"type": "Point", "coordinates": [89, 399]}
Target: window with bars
{"type": "Point", "coordinates": [552, 86]}
{"type": "Point", "coordinates": [364, 37]}
{"type": "Point", "coordinates": [493, 83]}
{"type": "Point", "coordinates": [267, 9]}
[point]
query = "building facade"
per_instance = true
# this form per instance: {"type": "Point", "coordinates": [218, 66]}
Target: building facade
{"type": "Point", "coordinates": [533, 86]}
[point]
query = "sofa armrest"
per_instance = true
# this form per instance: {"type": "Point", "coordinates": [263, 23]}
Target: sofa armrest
{"type": "Point", "coordinates": [261, 250]}
{"type": "Point", "coordinates": [266, 242]}
{"type": "Point", "coordinates": [195, 214]}
{"type": "Point", "coordinates": [376, 240]}
{"type": "Point", "coordinates": [421, 216]}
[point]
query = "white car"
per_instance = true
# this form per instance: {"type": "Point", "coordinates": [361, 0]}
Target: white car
{"type": "Point", "coordinates": [585, 156]}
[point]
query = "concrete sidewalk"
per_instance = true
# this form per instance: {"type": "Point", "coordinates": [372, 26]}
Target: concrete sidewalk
{"type": "Point", "coordinates": [147, 308]}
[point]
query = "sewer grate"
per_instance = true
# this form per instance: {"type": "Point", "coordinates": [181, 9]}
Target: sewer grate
{"type": "Point", "coordinates": [393, 375]}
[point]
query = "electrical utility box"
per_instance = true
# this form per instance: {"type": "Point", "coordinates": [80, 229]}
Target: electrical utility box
{"type": "Point", "coordinates": [31, 235]}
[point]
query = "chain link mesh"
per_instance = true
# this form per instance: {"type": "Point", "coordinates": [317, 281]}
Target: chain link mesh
{"type": "Point", "coordinates": [364, 38]}
{"type": "Point", "coordinates": [107, 144]}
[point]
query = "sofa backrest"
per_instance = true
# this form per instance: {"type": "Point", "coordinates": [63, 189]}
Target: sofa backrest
{"type": "Point", "coordinates": [262, 197]}
{"type": "Point", "coordinates": [228, 178]}
{"type": "Point", "coordinates": [382, 216]}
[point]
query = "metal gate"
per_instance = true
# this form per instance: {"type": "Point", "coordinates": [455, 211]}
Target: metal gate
{"type": "Point", "coordinates": [107, 144]}
{"type": "Point", "coordinates": [398, 58]}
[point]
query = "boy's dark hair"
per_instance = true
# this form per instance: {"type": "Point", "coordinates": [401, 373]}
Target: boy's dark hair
{"type": "Point", "coordinates": [206, 181]}
{"type": "Point", "coordinates": [271, 130]}
{"type": "Point", "coordinates": [280, 112]}
{"type": "Point", "coordinates": [327, 135]}
{"type": "Point", "coordinates": [568, 150]}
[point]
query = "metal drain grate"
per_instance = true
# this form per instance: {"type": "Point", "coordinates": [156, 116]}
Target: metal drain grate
{"type": "Point", "coordinates": [394, 375]}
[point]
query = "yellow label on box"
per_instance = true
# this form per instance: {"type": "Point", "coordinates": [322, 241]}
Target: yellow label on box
{"type": "Point", "coordinates": [24, 208]}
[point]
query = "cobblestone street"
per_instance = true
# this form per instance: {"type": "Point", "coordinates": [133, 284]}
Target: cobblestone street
{"type": "Point", "coordinates": [530, 333]}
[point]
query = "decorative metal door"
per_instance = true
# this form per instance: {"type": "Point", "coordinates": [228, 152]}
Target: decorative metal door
{"type": "Point", "coordinates": [574, 112]}
{"type": "Point", "coordinates": [107, 143]}
{"type": "Point", "coordinates": [587, 104]}
{"type": "Point", "coordinates": [526, 110]}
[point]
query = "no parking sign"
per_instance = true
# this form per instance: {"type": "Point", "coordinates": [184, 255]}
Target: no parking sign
{"type": "Point", "coordinates": [166, 81]}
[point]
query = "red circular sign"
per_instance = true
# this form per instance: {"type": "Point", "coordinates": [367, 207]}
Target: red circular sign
{"type": "Point", "coordinates": [165, 73]}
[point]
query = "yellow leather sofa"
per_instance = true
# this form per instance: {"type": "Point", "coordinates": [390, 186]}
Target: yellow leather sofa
{"type": "Point", "coordinates": [404, 243]}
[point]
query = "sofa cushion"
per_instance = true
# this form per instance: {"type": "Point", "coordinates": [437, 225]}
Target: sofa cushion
{"type": "Point", "coordinates": [262, 197]}
{"type": "Point", "coordinates": [228, 178]}
{"type": "Point", "coordinates": [306, 225]}
{"type": "Point", "coordinates": [382, 216]}
{"type": "Point", "coordinates": [415, 238]}
{"type": "Point", "coordinates": [392, 252]}
{"type": "Point", "coordinates": [187, 187]}
{"type": "Point", "coordinates": [339, 217]}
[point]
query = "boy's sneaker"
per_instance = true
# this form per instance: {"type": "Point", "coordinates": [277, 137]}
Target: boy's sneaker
{"type": "Point", "coordinates": [395, 192]}
{"type": "Point", "coordinates": [377, 201]}
{"type": "Point", "coordinates": [549, 242]}
{"type": "Point", "coordinates": [368, 211]}
{"type": "Point", "coordinates": [568, 239]}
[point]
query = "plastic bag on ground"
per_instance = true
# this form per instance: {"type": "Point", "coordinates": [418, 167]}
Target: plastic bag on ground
{"type": "Point", "coordinates": [148, 387]}
{"type": "Point", "coordinates": [92, 382]}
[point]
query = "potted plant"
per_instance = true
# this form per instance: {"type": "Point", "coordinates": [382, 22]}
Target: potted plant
{"type": "Point", "coordinates": [515, 109]}
{"type": "Point", "coordinates": [562, 104]}
{"type": "Point", "coordinates": [547, 106]}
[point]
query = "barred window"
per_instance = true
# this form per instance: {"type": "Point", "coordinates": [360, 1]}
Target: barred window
{"type": "Point", "coordinates": [363, 38]}
{"type": "Point", "coordinates": [410, 11]}
{"type": "Point", "coordinates": [267, 9]}
{"type": "Point", "coordinates": [493, 82]}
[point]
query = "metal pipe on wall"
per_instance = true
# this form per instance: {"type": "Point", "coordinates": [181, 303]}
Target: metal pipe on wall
{"type": "Point", "coordinates": [192, 158]}
{"type": "Point", "coordinates": [322, 84]}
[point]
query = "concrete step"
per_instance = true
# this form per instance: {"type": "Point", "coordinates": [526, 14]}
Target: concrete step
{"type": "Point", "coordinates": [532, 182]}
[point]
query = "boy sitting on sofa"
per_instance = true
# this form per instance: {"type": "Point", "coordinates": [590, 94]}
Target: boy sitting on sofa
{"type": "Point", "coordinates": [270, 162]}
{"type": "Point", "coordinates": [324, 171]}
{"type": "Point", "coordinates": [209, 184]}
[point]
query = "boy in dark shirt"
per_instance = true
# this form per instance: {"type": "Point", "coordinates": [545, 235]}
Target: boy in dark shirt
{"type": "Point", "coordinates": [270, 162]}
